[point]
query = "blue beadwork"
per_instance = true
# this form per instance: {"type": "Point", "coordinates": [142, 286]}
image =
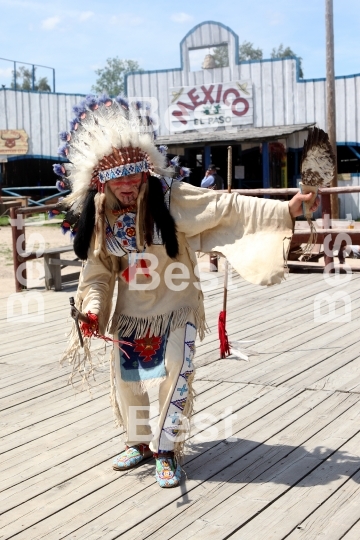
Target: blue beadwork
{"type": "Point", "coordinates": [124, 231]}
{"type": "Point", "coordinates": [123, 170]}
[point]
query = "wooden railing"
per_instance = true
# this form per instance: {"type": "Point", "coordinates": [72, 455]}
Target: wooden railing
{"type": "Point", "coordinates": [19, 242]}
{"type": "Point", "coordinates": [299, 237]}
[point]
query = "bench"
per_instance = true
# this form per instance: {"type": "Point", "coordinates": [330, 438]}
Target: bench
{"type": "Point", "coordinates": [53, 265]}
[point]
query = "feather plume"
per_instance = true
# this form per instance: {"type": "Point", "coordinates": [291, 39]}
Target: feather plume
{"type": "Point", "coordinates": [102, 125]}
{"type": "Point", "coordinates": [91, 102]}
{"type": "Point", "coordinates": [123, 102]}
{"type": "Point", "coordinates": [59, 169]}
{"type": "Point", "coordinates": [63, 150]}
{"type": "Point", "coordinates": [65, 136]}
{"type": "Point", "coordinates": [318, 160]}
{"type": "Point", "coordinates": [317, 170]}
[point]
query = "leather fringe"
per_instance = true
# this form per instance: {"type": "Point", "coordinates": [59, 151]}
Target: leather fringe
{"type": "Point", "coordinates": [113, 397]}
{"type": "Point", "coordinates": [157, 325]}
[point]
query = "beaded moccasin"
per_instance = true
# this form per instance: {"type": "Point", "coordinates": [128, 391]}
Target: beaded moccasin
{"type": "Point", "coordinates": [168, 471]}
{"type": "Point", "coordinates": [131, 456]}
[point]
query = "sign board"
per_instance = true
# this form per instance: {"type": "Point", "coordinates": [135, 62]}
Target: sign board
{"type": "Point", "coordinates": [209, 106]}
{"type": "Point", "coordinates": [13, 142]}
{"type": "Point", "coordinates": [239, 172]}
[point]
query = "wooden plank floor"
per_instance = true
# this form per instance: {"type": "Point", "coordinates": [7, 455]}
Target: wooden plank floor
{"type": "Point", "coordinates": [274, 450]}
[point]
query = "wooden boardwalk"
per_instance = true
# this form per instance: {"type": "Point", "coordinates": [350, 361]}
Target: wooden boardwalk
{"type": "Point", "coordinates": [275, 446]}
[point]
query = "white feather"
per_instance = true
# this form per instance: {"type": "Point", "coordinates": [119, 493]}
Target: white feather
{"type": "Point", "coordinates": [101, 131]}
{"type": "Point", "coordinates": [235, 349]}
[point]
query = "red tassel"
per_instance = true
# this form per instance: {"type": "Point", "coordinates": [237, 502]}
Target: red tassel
{"type": "Point", "coordinates": [91, 329]}
{"type": "Point", "coordinates": [223, 337]}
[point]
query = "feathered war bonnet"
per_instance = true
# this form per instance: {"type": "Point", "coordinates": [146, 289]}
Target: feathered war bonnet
{"type": "Point", "coordinates": [109, 139]}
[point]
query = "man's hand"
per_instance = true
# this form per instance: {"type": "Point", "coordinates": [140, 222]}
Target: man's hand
{"type": "Point", "coordinates": [295, 204]}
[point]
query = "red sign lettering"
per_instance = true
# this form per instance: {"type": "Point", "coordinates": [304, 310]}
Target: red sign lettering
{"type": "Point", "coordinates": [207, 94]}
{"type": "Point", "coordinates": [194, 98]}
{"type": "Point", "coordinates": [244, 102]}
{"type": "Point", "coordinates": [230, 91]}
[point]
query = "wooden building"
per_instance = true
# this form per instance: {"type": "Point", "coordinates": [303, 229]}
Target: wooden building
{"type": "Point", "coordinates": [261, 108]}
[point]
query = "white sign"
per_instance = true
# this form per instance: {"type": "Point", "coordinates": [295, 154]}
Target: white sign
{"type": "Point", "coordinates": [239, 172]}
{"type": "Point", "coordinates": [210, 106]}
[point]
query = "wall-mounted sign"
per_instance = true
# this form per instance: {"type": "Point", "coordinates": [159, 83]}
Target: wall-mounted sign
{"type": "Point", "coordinates": [210, 106]}
{"type": "Point", "coordinates": [13, 142]}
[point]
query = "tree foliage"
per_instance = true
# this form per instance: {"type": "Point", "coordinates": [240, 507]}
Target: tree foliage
{"type": "Point", "coordinates": [221, 56]}
{"type": "Point", "coordinates": [247, 51]}
{"type": "Point", "coordinates": [111, 77]}
{"type": "Point", "coordinates": [282, 52]}
{"type": "Point", "coordinates": [24, 80]}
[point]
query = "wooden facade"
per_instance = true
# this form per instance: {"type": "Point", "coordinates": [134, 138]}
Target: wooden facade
{"type": "Point", "coordinates": [280, 97]}
{"type": "Point", "coordinates": [281, 107]}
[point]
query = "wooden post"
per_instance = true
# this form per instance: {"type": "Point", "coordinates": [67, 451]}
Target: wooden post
{"type": "Point", "coordinates": [330, 98]}
{"type": "Point", "coordinates": [17, 229]}
{"type": "Point", "coordinates": [229, 184]}
{"type": "Point", "coordinates": [326, 217]}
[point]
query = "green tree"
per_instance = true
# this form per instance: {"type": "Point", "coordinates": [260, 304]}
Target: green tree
{"type": "Point", "coordinates": [221, 56]}
{"type": "Point", "coordinates": [42, 85]}
{"type": "Point", "coordinates": [111, 77]}
{"type": "Point", "coordinates": [247, 51]}
{"type": "Point", "coordinates": [282, 52]}
{"type": "Point", "coordinates": [24, 80]}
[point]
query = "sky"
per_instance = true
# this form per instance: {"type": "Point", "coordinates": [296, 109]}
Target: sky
{"type": "Point", "coordinates": [76, 37]}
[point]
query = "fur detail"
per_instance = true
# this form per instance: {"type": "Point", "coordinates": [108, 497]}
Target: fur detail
{"type": "Point", "coordinates": [85, 227]}
{"type": "Point", "coordinates": [123, 102]}
{"type": "Point", "coordinates": [91, 102]}
{"type": "Point", "coordinates": [157, 213]}
{"type": "Point", "coordinates": [59, 169]}
{"type": "Point", "coordinates": [80, 109]}
{"type": "Point", "coordinates": [63, 150]}
{"type": "Point", "coordinates": [140, 219]}
{"type": "Point", "coordinates": [62, 185]}
{"type": "Point", "coordinates": [99, 223]}
{"type": "Point", "coordinates": [65, 136]}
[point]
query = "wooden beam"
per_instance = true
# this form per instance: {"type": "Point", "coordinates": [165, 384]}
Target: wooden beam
{"type": "Point", "coordinates": [300, 237]}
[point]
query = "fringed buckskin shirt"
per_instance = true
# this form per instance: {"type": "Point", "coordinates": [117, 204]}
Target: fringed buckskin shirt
{"type": "Point", "coordinates": [253, 234]}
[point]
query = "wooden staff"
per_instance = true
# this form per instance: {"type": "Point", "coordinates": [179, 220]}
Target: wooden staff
{"type": "Point", "coordinates": [223, 337]}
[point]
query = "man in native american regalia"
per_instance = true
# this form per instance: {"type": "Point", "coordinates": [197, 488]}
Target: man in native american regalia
{"type": "Point", "coordinates": [137, 225]}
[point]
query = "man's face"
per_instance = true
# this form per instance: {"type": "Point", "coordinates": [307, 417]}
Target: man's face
{"type": "Point", "coordinates": [126, 188]}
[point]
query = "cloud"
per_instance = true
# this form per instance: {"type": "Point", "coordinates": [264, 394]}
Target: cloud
{"type": "Point", "coordinates": [50, 23]}
{"type": "Point", "coordinates": [85, 15]}
{"type": "Point", "coordinates": [181, 17]}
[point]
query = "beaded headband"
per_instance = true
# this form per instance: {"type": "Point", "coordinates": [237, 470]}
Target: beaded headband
{"type": "Point", "coordinates": [122, 162]}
